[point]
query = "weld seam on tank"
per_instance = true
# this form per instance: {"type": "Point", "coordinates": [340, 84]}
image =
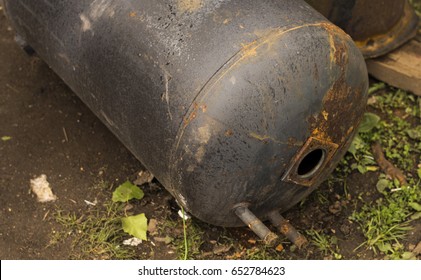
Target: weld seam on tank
{"type": "Point", "coordinates": [256, 225]}
{"type": "Point", "coordinates": [226, 67]}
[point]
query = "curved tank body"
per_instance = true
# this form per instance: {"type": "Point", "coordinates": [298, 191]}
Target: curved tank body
{"type": "Point", "coordinates": [226, 102]}
{"type": "Point", "coordinates": [377, 26]}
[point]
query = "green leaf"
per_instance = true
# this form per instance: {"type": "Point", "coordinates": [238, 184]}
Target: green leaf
{"type": "Point", "coordinates": [416, 216]}
{"type": "Point", "coordinates": [362, 169]}
{"type": "Point", "coordinates": [408, 256]}
{"type": "Point", "coordinates": [385, 247]}
{"type": "Point", "coordinates": [369, 122]}
{"type": "Point", "coordinates": [353, 147]}
{"type": "Point", "coordinates": [382, 184]}
{"type": "Point", "coordinates": [414, 134]}
{"type": "Point", "coordinates": [136, 226]}
{"type": "Point", "coordinates": [376, 87]}
{"type": "Point", "coordinates": [127, 191]}
{"type": "Point", "coordinates": [6, 138]}
{"type": "Point", "coordinates": [419, 172]}
{"type": "Point", "coordinates": [415, 206]}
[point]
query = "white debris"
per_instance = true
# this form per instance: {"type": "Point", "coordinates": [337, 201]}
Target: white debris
{"type": "Point", "coordinates": [143, 177]}
{"type": "Point", "coordinates": [42, 190]}
{"type": "Point", "coordinates": [134, 241]}
{"type": "Point", "coordinates": [186, 216]}
{"type": "Point", "coordinates": [91, 203]}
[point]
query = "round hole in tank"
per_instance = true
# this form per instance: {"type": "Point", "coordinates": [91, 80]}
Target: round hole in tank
{"type": "Point", "coordinates": [311, 163]}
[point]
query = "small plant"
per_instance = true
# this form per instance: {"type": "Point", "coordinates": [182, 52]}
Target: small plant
{"type": "Point", "coordinates": [97, 234]}
{"type": "Point", "coordinates": [386, 221]}
{"type": "Point", "coordinates": [133, 225]}
{"type": "Point", "coordinates": [328, 245]}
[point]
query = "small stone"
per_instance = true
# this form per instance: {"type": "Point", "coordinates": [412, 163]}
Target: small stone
{"type": "Point", "coordinates": [417, 250]}
{"type": "Point", "coordinates": [345, 229]}
{"type": "Point", "coordinates": [335, 208]}
{"type": "Point", "coordinates": [222, 249]}
{"type": "Point", "coordinates": [132, 242]}
{"type": "Point", "coordinates": [152, 226]}
{"type": "Point", "coordinates": [144, 177]}
{"type": "Point", "coordinates": [167, 240]}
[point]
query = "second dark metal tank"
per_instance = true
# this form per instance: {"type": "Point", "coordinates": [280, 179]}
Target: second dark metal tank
{"type": "Point", "coordinates": [377, 26]}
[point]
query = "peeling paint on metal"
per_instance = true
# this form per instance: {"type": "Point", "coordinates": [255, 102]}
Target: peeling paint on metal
{"type": "Point", "coordinates": [200, 154]}
{"type": "Point", "coordinates": [189, 6]}
{"type": "Point", "coordinates": [86, 24]}
{"type": "Point", "coordinates": [204, 134]}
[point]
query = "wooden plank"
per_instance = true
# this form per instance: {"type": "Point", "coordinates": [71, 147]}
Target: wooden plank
{"type": "Point", "coordinates": [400, 68]}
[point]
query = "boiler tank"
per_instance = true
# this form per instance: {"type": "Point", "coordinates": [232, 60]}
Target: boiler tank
{"type": "Point", "coordinates": [229, 103]}
{"type": "Point", "coordinates": [377, 26]}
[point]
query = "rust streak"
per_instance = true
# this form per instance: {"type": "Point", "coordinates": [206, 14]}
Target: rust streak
{"type": "Point", "coordinates": [189, 6]}
{"type": "Point", "coordinates": [267, 138]}
{"type": "Point", "coordinates": [247, 51]}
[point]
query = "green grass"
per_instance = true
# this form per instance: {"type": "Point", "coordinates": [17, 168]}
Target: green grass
{"type": "Point", "coordinates": [326, 244]}
{"type": "Point", "coordinates": [417, 6]}
{"type": "Point", "coordinates": [96, 234]}
{"type": "Point", "coordinates": [386, 221]}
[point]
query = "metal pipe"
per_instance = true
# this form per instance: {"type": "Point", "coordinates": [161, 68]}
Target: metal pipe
{"type": "Point", "coordinates": [287, 229]}
{"type": "Point", "coordinates": [256, 225]}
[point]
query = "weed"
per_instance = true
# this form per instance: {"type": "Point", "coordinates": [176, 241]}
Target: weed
{"type": "Point", "coordinates": [417, 6]}
{"type": "Point", "coordinates": [328, 245]}
{"type": "Point", "coordinates": [97, 234]}
{"type": "Point", "coordinates": [386, 221]}
{"type": "Point", "coordinates": [192, 240]}
{"type": "Point", "coordinates": [186, 246]}
{"type": "Point", "coordinates": [261, 252]}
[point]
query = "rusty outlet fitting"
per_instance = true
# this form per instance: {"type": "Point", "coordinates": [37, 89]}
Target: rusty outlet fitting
{"type": "Point", "coordinates": [256, 225]}
{"type": "Point", "coordinates": [287, 229]}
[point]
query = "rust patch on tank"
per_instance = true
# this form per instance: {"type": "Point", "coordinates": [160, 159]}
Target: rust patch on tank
{"type": "Point", "coordinates": [203, 108]}
{"type": "Point", "coordinates": [247, 51]}
{"type": "Point", "coordinates": [337, 45]}
{"type": "Point", "coordinates": [189, 6]}
{"type": "Point", "coordinates": [229, 133]}
{"type": "Point", "coordinates": [294, 142]}
{"type": "Point", "coordinates": [192, 115]}
{"type": "Point", "coordinates": [330, 124]}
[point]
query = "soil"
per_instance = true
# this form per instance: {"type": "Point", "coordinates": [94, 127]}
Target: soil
{"type": "Point", "coordinates": [52, 132]}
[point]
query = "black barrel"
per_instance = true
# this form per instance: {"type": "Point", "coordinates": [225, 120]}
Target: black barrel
{"type": "Point", "coordinates": [377, 26]}
{"type": "Point", "coordinates": [227, 103]}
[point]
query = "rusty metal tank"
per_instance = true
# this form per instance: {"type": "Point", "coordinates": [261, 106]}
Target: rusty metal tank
{"type": "Point", "coordinates": [377, 26]}
{"type": "Point", "coordinates": [237, 107]}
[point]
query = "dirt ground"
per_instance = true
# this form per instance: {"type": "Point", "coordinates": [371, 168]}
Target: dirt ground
{"type": "Point", "coordinates": [52, 132]}
{"type": "Point", "coordinates": [36, 110]}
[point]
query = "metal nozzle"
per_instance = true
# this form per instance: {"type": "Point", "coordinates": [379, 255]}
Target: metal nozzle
{"type": "Point", "coordinates": [256, 225]}
{"type": "Point", "coordinates": [287, 229]}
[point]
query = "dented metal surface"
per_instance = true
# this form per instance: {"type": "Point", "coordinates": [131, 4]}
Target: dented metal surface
{"type": "Point", "coordinates": [377, 26]}
{"type": "Point", "coordinates": [224, 101]}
